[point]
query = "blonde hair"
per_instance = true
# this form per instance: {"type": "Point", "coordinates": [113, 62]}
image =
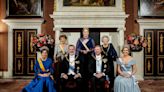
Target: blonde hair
{"type": "Point", "coordinates": [128, 47]}
{"type": "Point", "coordinates": [85, 29]}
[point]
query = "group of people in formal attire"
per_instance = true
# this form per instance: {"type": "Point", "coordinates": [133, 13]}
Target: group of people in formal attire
{"type": "Point", "coordinates": [85, 67]}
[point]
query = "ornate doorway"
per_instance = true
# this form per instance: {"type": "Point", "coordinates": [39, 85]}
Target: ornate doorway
{"type": "Point", "coordinates": [154, 53]}
{"type": "Point", "coordinates": [24, 55]}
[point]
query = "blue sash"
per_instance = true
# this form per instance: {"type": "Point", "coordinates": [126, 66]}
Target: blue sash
{"type": "Point", "coordinates": [123, 66]}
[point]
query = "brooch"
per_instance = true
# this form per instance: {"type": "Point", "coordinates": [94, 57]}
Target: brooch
{"type": "Point", "coordinates": [104, 60]}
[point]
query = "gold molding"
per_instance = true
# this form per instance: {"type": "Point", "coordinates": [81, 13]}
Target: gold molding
{"type": "Point", "coordinates": [16, 32]}
{"type": "Point", "coordinates": [160, 65]}
{"type": "Point", "coordinates": [19, 65]}
{"type": "Point", "coordinates": [19, 44]}
{"type": "Point", "coordinates": [160, 43]}
{"type": "Point", "coordinates": [29, 43]}
{"type": "Point", "coordinates": [30, 66]}
{"type": "Point", "coordinates": [147, 66]}
{"type": "Point", "coordinates": [151, 41]}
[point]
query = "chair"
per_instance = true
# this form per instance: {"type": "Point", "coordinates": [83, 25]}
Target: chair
{"type": "Point", "coordinates": [106, 86]}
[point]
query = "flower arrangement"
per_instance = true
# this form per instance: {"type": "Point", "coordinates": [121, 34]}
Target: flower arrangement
{"type": "Point", "coordinates": [136, 42]}
{"type": "Point", "coordinates": [41, 40]}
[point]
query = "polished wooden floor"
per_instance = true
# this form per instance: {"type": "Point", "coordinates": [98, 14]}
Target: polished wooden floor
{"type": "Point", "coordinates": [15, 85]}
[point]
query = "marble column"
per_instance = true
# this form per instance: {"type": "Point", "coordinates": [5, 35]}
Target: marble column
{"type": "Point", "coordinates": [57, 34]}
{"type": "Point", "coordinates": [121, 37]}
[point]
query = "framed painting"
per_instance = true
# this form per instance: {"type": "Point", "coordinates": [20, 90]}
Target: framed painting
{"type": "Point", "coordinates": [89, 5]}
{"type": "Point", "coordinates": [24, 8]}
{"type": "Point", "coordinates": [89, 2]}
{"type": "Point", "coordinates": [151, 8]}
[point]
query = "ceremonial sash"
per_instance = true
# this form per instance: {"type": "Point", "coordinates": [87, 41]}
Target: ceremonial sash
{"type": "Point", "coordinates": [62, 49]}
{"type": "Point", "coordinates": [85, 46]}
{"type": "Point", "coordinates": [41, 65]}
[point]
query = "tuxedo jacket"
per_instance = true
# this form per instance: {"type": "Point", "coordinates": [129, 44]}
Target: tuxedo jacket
{"type": "Point", "coordinates": [65, 65]}
{"type": "Point", "coordinates": [105, 68]}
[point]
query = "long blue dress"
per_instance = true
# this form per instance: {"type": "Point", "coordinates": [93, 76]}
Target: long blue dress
{"type": "Point", "coordinates": [41, 84]}
{"type": "Point", "coordinates": [84, 57]}
{"type": "Point", "coordinates": [123, 84]}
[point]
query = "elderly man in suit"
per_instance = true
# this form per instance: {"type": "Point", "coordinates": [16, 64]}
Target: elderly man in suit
{"type": "Point", "coordinates": [71, 72]}
{"type": "Point", "coordinates": [99, 71]}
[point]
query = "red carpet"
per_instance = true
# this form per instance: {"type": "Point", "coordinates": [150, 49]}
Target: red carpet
{"type": "Point", "coordinates": [10, 85]}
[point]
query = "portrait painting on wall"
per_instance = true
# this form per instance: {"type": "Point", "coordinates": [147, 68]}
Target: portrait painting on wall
{"type": "Point", "coordinates": [24, 8]}
{"type": "Point", "coordinates": [151, 8]}
{"type": "Point", "coordinates": [88, 2]}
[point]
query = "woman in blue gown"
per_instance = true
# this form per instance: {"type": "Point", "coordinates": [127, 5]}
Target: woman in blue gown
{"type": "Point", "coordinates": [43, 81]}
{"type": "Point", "coordinates": [85, 46]}
{"type": "Point", "coordinates": [109, 51]}
{"type": "Point", "coordinates": [126, 81]}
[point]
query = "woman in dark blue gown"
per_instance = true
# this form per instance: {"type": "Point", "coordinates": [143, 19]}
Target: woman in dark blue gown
{"type": "Point", "coordinates": [109, 51]}
{"type": "Point", "coordinates": [43, 81]}
{"type": "Point", "coordinates": [85, 47]}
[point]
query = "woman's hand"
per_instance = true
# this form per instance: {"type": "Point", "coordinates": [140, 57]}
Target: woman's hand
{"type": "Point", "coordinates": [52, 77]}
{"type": "Point", "coordinates": [127, 75]}
{"type": "Point", "coordinates": [47, 74]}
{"type": "Point", "coordinates": [44, 75]}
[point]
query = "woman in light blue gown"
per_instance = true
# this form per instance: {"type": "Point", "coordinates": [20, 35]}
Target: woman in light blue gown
{"type": "Point", "coordinates": [126, 81]}
{"type": "Point", "coordinates": [43, 75]}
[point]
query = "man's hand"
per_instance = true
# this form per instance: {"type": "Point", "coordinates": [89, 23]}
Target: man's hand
{"type": "Point", "coordinates": [77, 76]}
{"type": "Point", "coordinates": [64, 76]}
{"type": "Point", "coordinates": [99, 75]}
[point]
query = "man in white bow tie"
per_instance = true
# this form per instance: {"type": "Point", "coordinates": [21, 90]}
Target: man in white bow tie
{"type": "Point", "coordinates": [99, 70]}
{"type": "Point", "coordinates": [71, 71]}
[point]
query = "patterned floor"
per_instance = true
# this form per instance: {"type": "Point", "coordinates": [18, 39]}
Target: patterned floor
{"type": "Point", "coordinates": [10, 85]}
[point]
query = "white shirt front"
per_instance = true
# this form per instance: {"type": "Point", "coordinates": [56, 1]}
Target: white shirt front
{"type": "Point", "coordinates": [71, 65]}
{"type": "Point", "coordinates": [98, 63]}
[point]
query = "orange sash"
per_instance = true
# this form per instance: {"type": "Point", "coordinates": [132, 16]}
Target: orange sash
{"type": "Point", "coordinates": [41, 65]}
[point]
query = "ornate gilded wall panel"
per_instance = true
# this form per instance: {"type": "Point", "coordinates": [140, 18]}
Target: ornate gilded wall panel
{"type": "Point", "coordinates": [154, 53]}
{"type": "Point", "coordinates": [30, 65]}
{"type": "Point", "coordinates": [19, 66]}
{"type": "Point", "coordinates": [160, 44]}
{"type": "Point", "coordinates": [24, 53]}
{"type": "Point", "coordinates": [160, 65]}
{"type": "Point", "coordinates": [19, 40]}
{"type": "Point", "coordinates": [30, 50]}
{"type": "Point", "coordinates": [150, 43]}
{"type": "Point", "coordinates": [149, 66]}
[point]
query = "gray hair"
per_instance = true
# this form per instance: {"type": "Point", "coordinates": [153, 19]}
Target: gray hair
{"type": "Point", "coordinates": [105, 36]}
